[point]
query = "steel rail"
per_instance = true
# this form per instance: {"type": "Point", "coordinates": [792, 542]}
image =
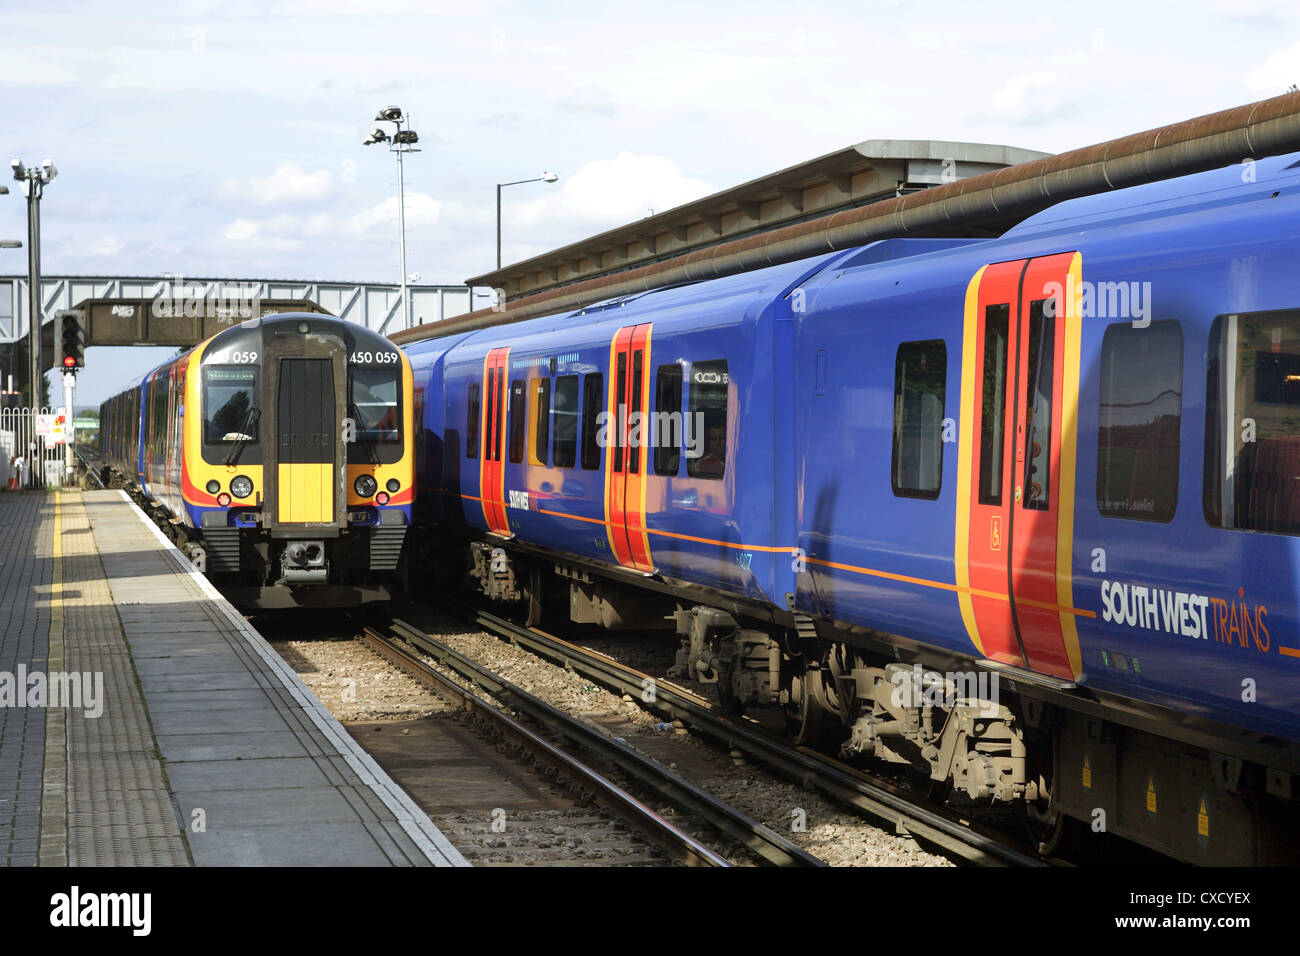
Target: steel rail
{"type": "Point", "coordinates": [801, 764]}
{"type": "Point", "coordinates": [680, 846]}
{"type": "Point", "coordinates": [740, 827]}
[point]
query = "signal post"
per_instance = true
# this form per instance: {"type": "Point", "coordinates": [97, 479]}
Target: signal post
{"type": "Point", "coordinates": [73, 356]}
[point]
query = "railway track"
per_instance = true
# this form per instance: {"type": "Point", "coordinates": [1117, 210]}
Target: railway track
{"type": "Point", "coordinates": [844, 785]}
{"type": "Point", "coordinates": [396, 647]}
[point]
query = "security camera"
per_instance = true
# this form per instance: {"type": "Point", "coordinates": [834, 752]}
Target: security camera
{"type": "Point", "coordinates": [50, 169]}
{"type": "Point", "coordinates": [377, 135]}
{"type": "Point", "coordinates": [20, 171]}
{"type": "Point", "coordinates": [390, 113]}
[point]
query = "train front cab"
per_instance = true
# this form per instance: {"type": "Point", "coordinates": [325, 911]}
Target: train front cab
{"type": "Point", "coordinates": [300, 462]}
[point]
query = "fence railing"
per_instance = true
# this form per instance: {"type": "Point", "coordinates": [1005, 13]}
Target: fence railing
{"type": "Point", "coordinates": [27, 460]}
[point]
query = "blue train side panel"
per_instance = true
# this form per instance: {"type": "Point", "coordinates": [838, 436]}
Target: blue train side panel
{"type": "Point", "coordinates": [1179, 612]}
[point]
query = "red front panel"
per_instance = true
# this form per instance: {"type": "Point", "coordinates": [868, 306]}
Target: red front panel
{"type": "Point", "coordinates": [991, 469]}
{"type": "Point", "coordinates": [626, 459]}
{"type": "Point", "coordinates": [492, 441]}
{"type": "Point", "coordinates": [1015, 489]}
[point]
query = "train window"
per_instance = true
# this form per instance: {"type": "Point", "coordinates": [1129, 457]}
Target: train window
{"type": "Point", "coordinates": [668, 422]}
{"type": "Point", "coordinates": [1140, 417]}
{"type": "Point", "coordinates": [1252, 423]}
{"type": "Point", "coordinates": [518, 420]}
{"type": "Point", "coordinates": [920, 377]}
{"type": "Point", "coordinates": [1038, 410]}
{"type": "Point", "coordinates": [375, 404]}
{"type": "Point", "coordinates": [490, 419]}
{"type": "Point", "coordinates": [541, 422]}
{"type": "Point", "coordinates": [418, 412]}
{"type": "Point", "coordinates": [229, 396]}
{"type": "Point", "coordinates": [708, 404]}
{"type": "Point", "coordinates": [472, 421]}
{"type": "Point", "coordinates": [638, 368]}
{"type": "Point", "coordinates": [593, 400]}
{"type": "Point", "coordinates": [564, 451]}
{"type": "Point", "coordinates": [620, 405]}
{"type": "Point", "coordinates": [997, 322]}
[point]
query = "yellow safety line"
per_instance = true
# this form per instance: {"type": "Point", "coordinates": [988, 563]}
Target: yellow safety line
{"type": "Point", "coordinates": [54, 775]}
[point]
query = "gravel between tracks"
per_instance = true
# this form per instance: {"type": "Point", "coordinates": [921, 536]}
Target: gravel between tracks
{"type": "Point", "coordinates": [836, 836]}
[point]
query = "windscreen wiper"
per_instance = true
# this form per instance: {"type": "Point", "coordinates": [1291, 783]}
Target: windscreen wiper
{"type": "Point", "coordinates": [366, 440]}
{"type": "Point", "coordinates": [247, 431]}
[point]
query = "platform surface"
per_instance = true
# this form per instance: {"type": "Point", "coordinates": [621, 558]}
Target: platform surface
{"type": "Point", "coordinates": [144, 722]}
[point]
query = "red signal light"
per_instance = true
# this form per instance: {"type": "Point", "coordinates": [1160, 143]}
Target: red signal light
{"type": "Point", "coordinates": [69, 361]}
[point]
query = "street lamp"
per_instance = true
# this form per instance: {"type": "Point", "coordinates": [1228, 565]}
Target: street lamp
{"type": "Point", "coordinates": [401, 142]}
{"type": "Point", "coordinates": [543, 178]}
{"type": "Point", "coordinates": [34, 179]}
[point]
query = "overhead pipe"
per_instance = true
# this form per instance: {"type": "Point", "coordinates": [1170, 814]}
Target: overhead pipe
{"type": "Point", "coordinates": [1266, 128]}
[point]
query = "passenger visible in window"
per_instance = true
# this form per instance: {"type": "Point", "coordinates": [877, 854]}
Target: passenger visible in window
{"type": "Point", "coordinates": [714, 461]}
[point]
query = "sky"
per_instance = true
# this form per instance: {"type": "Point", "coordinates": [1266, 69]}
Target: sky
{"type": "Point", "coordinates": [205, 138]}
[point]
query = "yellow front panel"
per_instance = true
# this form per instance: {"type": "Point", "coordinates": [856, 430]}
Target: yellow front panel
{"type": "Point", "coordinates": [306, 493]}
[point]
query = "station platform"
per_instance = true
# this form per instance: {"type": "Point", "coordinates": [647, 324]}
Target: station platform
{"type": "Point", "coordinates": [144, 722]}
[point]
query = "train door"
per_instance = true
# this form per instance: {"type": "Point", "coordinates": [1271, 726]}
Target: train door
{"type": "Point", "coordinates": [626, 443]}
{"type": "Point", "coordinates": [308, 456]}
{"type": "Point", "coordinates": [1015, 521]}
{"type": "Point", "coordinates": [492, 440]}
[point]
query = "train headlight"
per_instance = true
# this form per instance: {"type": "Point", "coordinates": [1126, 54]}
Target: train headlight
{"type": "Point", "coordinates": [213, 486]}
{"type": "Point", "coordinates": [365, 485]}
{"type": "Point", "coordinates": [392, 486]}
{"type": "Point", "coordinates": [241, 486]}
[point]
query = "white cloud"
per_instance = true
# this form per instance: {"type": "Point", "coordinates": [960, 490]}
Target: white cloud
{"type": "Point", "coordinates": [421, 210]}
{"type": "Point", "coordinates": [290, 183]}
{"type": "Point", "coordinates": [241, 229]}
{"type": "Point", "coordinates": [106, 246]}
{"type": "Point", "coordinates": [607, 193]}
{"type": "Point", "coordinates": [1277, 72]}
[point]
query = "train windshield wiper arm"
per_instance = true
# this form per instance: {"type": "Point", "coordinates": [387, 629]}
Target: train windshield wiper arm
{"type": "Point", "coordinates": [247, 430]}
{"type": "Point", "coordinates": [366, 440]}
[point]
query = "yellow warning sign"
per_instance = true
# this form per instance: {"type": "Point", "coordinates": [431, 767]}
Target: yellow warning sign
{"type": "Point", "coordinates": [1151, 795]}
{"type": "Point", "coordinates": [1202, 821]}
{"type": "Point", "coordinates": [1087, 773]}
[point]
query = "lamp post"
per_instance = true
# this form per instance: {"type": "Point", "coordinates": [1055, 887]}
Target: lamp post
{"type": "Point", "coordinates": [35, 180]}
{"type": "Point", "coordinates": [543, 178]}
{"type": "Point", "coordinates": [401, 142]}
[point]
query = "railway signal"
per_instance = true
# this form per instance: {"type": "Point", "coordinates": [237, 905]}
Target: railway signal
{"type": "Point", "coordinates": [74, 342]}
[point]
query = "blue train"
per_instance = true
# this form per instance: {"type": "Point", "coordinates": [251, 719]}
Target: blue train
{"type": "Point", "coordinates": [1019, 514]}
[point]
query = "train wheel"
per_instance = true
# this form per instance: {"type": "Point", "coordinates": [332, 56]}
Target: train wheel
{"type": "Point", "coordinates": [533, 598]}
{"type": "Point", "coordinates": [1046, 825]}
{"type": "Point", "coordinates": [807, 714]}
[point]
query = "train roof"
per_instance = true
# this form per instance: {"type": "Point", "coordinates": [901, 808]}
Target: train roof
{"type": "Point", "coordinates": [1231, 185]}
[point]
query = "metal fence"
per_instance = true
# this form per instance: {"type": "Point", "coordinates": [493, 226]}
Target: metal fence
{"type": "Point", "coordinates": [26, 460]}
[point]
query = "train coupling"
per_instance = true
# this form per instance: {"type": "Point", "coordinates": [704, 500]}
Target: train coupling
{"type": "Point", "coordinates": [303, 562]}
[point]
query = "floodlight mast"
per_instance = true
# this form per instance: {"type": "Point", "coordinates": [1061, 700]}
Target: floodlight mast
{"type": "Point", "coordinates": [402, 141]}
